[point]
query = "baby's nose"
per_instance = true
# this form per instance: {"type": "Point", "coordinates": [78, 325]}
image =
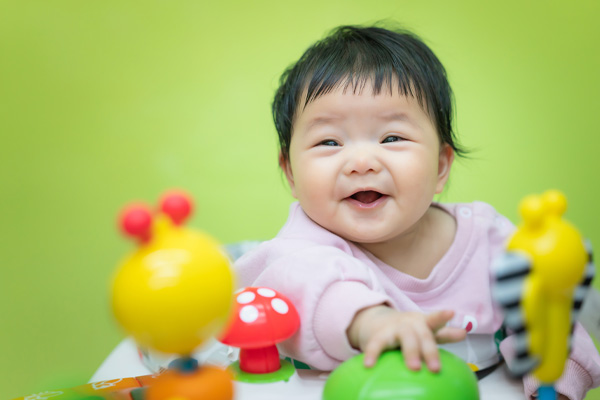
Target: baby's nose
{"type": "Point", "coordinates": [362, 161]}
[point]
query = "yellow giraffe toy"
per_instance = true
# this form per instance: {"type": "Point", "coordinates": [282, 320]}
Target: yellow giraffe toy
{"type": "Point", "coordinates": [541, 283]}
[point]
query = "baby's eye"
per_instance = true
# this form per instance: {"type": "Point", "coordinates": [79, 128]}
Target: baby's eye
{"type": "Point", "coordinates": [328, 142]}
{"type": "Point", "coordinates": [391, 139]}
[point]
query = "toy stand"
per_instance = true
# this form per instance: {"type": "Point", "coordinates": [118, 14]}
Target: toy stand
{"type": "Point", "coordinates": [124, 361]}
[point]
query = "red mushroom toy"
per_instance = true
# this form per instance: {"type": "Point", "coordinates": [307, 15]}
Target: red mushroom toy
{"type": "Point", "coordinates": [262, 318]}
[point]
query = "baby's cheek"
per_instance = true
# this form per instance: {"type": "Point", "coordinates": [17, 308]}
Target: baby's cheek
{"type": "Point", "coordinates": [315, 195]}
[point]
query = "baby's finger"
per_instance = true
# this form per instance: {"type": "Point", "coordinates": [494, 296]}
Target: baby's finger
{"type": "Point", "coordinates": [429, 348]}
{"type": "Point", "coordinates": [450, 335]}
{"type": "Point", "coordinates": [438, 319]}
{"type": "Point", "coordinates": [411, 348]}
{"type": "Point", "coordinates": [375, 346]}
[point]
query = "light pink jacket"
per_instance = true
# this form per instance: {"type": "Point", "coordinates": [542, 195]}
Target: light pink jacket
{"type": "Point", "coordinates": [330, 279]}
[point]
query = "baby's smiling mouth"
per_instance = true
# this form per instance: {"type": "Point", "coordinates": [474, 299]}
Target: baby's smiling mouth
{"type": "Point", "coordinates": [366, 197]}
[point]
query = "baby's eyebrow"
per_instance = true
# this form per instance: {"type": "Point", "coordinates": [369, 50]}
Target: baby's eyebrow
{"type": "Point", "coordinates": [397, 116]}
{"type": "Point", "coordinates": [402, 117]}
{"type": "Point", "coordinates": [323, 120]}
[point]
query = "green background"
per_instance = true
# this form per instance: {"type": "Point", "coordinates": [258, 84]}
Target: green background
{"type": "Point", "coordinates": [104, 102]}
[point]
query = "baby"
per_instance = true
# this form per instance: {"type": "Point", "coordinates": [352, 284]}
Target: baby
{"type": "Point", "coordinates": [369, 259]}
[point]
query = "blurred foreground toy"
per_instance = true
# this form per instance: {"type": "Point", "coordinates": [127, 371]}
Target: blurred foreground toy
{"type": "Point", "coordinates": [541, 282]}
{"type": "Point", "coordinates": [113, 389]}
{"type": "Point", "coordinates": [173, 293]}
{"type": "Point", "coordinates": [261, 318]}
{"type": "Point", "coordinates": [391, 379]}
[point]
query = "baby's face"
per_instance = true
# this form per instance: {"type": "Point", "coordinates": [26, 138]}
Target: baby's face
{"type": "Point", "coordinates": [366, 167]}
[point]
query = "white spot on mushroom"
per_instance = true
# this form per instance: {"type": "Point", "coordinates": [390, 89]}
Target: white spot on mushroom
{"type": "Point", "coordinates": [280, 306]}
{"type": "Point", "coordinates": [246, 297]}
{"type": "Point", "coordinates": [249, 314]}
{"type": "Point", "coordinates": [264, 292]}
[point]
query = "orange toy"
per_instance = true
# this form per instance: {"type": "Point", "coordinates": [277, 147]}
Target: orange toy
{"type": "Point", "coordinates": [208, 383]}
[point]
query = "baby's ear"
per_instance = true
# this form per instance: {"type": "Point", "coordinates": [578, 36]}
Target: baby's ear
{"type": "Point", "coordinates": [444, 164]}
{"type": "Point", "coordinates": [286, 167]}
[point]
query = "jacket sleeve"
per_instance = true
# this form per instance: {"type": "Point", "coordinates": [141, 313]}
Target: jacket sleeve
{"type": "Point", "coordinates": [582, 371]}
{"type": "Point", "coordinates": [328, 287]}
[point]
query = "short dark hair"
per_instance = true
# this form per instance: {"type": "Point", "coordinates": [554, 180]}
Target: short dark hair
{"type": "Point", "coordinates": [354, 55]}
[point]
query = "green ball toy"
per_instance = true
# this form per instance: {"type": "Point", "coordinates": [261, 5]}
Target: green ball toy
{"type": "Point", "coordinates": [390, 379]}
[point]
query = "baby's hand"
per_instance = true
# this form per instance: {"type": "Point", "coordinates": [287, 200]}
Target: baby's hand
{"type": "Point", "coordinates": [379, 328]}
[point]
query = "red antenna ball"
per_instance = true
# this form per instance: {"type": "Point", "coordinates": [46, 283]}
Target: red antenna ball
{"type": "Point", "coordinates": [136, 221]}
{"type": "Point", "coordinates": [176, 205]}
